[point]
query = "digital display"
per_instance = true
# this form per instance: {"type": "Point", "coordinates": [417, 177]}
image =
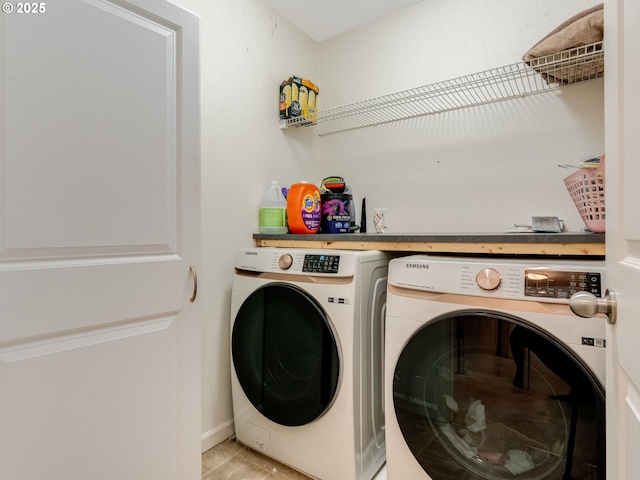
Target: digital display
{"type": "Point", "coordinates": [555, 284]}
{"type": "Point", "coordinates": [321, 263]}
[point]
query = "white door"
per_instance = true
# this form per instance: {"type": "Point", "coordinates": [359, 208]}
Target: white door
{"type": "Point", "coordinates": [622, 145]}
{"type": "Point", "coordinates": [99, 225]}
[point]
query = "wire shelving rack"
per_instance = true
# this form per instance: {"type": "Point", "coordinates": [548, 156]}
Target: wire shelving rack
{"type": "Point", "coordinates": [516, 80]}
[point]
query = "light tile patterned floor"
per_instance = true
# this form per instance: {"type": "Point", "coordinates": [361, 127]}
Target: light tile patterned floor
{"type": "Point", "coordinates": [231, 460]}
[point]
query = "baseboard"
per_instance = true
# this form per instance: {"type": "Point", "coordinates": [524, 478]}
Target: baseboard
{"type": "Point", "coordinates": [216, 435]}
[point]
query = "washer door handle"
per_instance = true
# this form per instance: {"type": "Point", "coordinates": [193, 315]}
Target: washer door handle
{"type": "Point", "coordinates": [587, 305]}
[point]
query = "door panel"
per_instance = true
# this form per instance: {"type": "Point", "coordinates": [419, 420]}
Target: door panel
{"type": "Point", "coordinates": [90, 136]}
{"type": "Point", "coordinates": [628, 269]}
{"type": "Point", "coordinates": [99, 224]}
{"type": "Point", "coordinates": [85, 389]}
{"type": "Point", "coordinates": [622, 144]}
{"type": "Point", "coordinates": [631, 421]}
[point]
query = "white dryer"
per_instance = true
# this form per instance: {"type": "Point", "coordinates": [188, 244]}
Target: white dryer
{"type": "Point", "coordinates": [489, 375]}
{"type": "Point", "coordinates": [306, 348]}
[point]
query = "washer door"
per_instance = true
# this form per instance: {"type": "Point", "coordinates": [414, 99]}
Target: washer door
{"type": "Point", "coordinates": [485, 395]}
{"type": "Point", "coordinates": [285, 355]}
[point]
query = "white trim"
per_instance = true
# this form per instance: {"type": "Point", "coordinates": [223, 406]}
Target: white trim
{"type": "Point", "coordinates": [216, 435]}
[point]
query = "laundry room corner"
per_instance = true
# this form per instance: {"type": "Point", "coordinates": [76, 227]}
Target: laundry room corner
{"type": "Point", "coordinates": [428, 172]}
{"type": "Point", "coordinates": [319, 240]}
{"type": "Point", "coordinates": [477, 169]}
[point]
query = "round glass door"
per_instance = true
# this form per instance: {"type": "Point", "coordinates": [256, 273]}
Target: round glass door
{"type": "Point", "coordinates": [485, 396]}
{"type": "Point", "coordinates": [285, 355]}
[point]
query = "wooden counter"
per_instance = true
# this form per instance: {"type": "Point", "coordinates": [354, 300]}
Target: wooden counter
{"type": "Point", "coordinates": [544, 244]}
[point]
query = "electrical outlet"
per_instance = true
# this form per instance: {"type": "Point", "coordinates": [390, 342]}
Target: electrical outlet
{"type": "Point", "coordinates": [383, 217]}
{"type": "Point", "coordinates": [380, 219]}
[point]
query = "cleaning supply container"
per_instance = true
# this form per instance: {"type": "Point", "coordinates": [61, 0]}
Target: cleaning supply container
{"type": "Point", "coordinates": [303, 208]}
{"type": "Point", "coordinates": [336, 212]}
{"type": "Point", "coordinates": [273, 211]}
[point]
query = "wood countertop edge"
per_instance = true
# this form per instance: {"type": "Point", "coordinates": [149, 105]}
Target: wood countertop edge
{"type": "Point", "coordinates": [493, 248]}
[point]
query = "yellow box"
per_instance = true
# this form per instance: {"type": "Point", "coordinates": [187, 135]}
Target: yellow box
{"type": "Point", "coordinates": [298, 97]}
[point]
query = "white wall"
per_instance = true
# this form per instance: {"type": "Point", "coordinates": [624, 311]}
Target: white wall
{"type": "Point", "coordinates": [478, 169]}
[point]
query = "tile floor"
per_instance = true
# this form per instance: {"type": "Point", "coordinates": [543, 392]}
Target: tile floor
{"type": "Point", "coordinates": [231, 460]}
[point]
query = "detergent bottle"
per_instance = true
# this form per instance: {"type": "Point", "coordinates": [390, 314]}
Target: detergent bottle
{"type": "Point", "coordinates": [303, 208]}
{"type": "Point", "coordinates": [273, 211]}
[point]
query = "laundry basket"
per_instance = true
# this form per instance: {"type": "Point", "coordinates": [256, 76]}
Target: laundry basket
{"type": "Point", "coordinates": [586, 188]}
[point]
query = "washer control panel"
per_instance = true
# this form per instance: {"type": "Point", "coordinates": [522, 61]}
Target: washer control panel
{"type": "Point", "coordinates": [321, 263]}
{"type": "Point", "coordinates": [561, 284]}
{"type": "Point", "coordinates": [296, 261]}
{"type": "Point", "coordinates": [519, 279]}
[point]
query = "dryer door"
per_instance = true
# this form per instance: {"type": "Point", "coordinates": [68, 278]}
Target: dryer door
{"type": "Point", "coordinates": [484, 395]}
{"type": "Point", "coordinates": [285, 354]}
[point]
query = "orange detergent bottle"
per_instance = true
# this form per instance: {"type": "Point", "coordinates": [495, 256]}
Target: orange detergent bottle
{"type": "Point", "coordinates": [303, 208]}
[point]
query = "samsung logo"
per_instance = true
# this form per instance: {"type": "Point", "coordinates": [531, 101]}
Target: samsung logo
{"type": "Point", "coordinates": [251, 253]}
{"type": "Point", "coordinates": [416, 265]}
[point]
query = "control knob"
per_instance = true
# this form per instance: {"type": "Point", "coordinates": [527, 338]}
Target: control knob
{"type": "Point", "coordinates": [285, 261]}
{"type": "Point", "coordinates": [489, 279]}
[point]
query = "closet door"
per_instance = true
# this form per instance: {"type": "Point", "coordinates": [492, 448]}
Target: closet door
{"type": "Point", "coordinates": [99, 226]}
{"type": "Point", "coordinates": [622, 145]}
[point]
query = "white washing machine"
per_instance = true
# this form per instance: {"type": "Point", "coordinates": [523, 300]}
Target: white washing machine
{"type": "Point", "coordinates": [306, 347]}
{"type": "Point", "coordinates": [488, 373]}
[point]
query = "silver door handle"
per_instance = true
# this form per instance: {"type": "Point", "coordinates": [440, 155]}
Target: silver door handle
{"type": "Point", "coordinates": [587, 305]}
{"type": "Point", "coordinates": [195, 282]}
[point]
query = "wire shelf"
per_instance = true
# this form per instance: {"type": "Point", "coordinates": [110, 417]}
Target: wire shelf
{"type": "Point", "coordinates": [516, 80]}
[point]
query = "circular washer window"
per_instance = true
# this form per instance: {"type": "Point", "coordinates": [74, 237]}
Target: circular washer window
{"type": "Point", "coordinates": [482, 395]}
{"type": "Point", "coordinates": [285, 354]}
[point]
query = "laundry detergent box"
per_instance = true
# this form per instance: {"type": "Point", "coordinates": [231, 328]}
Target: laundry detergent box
{"type": "Point", "coordinates": [298, 98]}
{"type": "Point", "coordinates": [336, 212]}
